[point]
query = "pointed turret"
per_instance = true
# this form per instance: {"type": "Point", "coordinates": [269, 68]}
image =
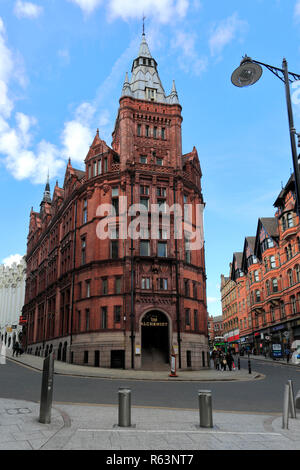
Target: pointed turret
{"type": "Point", "coordinates": [173, 97]}
{"type": "Point", "coordinates": [126, 91]}
{"type": "Point", "coordinates": [144, 48]}
{"type": "Point", "coordinates": [47, 194]}
{"type": "Point", "coordinates": [145, 83]}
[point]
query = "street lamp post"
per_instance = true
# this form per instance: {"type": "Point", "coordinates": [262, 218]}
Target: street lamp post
{"type": "Point", "coordinates": [248, 73]}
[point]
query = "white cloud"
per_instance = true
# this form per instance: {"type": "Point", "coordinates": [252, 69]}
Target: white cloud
{"type": "Point", "coordinates": [164, 11]}
{"type": "Point", "coordinates": [16, 140]}
{"type": "Point", "coordinates": [12, 259]}
{"type": "Point", "coordinates": [27, 10]}
{"type": "Point", "coordinates": [76, 139]}
{"type": "Point", "coordinates": [87, 6]}
{"type": "Point", "coordinates": [189, 60]}
{"type": "Point", "coordinates": [225, 32]}
{"type": "Point", "coordinates": [212, 300]}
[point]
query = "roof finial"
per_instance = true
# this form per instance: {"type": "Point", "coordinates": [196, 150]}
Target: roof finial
{"type": "Point", "coordinates": [144, 17]}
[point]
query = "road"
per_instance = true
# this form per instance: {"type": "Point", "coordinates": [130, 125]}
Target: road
{"type": "Point", "coordinates": [264, 396]}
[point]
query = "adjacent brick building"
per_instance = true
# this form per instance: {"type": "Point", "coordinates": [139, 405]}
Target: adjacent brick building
{"type": "Point", "coordinates": [121, 302]}
{"type": "Point", "coordinates": [215, 330]}
{"type": "Point", "coordinates": [265, 281]}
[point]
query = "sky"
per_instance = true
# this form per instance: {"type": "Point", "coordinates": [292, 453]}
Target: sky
{"type": "Point", "coordinates": [62, 67]}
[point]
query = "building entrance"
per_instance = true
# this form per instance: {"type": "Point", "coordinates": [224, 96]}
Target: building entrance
{"type": "Point", "coordinates": [155, 341]}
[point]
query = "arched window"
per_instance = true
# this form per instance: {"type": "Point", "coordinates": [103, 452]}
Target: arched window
{"type": "Point", "coordinates": [283, 221]}
{"type": "Point", "coordinates": [286, 254]}
{"type": "Point", "coordinates": [257, 296]}
{"type": "Point", "coordinates": [290, 276]}
{"type": "Point", "coordinates": [275, 285]}
{"type": "Point", "coordinates": [272, 311]}
{"type": "Point", "coordinates": [272, 262]}
{"type": "Point", "coordinates": [294, 305]}
{"type": "Point", "coordinates": [290, 220]}
{"type": "Point", "coordinates": [297, 270]}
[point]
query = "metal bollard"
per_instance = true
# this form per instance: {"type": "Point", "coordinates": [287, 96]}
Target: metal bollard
{"type": "Point", "coordinates": [292, 400]}
{"type": "Point", "coordinates": [124, 407]}
{"type": "Point", "coordinates": [239, 364]}
{"type": "Point", "coordinates": [205, 408]}
{"type": "Point", "coordinates": [249, 366]}
{"type": "Point", "coordinates": [286, 399]}
{"type": "Point", "coordinates": [47, 390]}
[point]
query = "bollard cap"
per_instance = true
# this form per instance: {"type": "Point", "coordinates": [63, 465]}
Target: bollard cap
{"type": "Point", "coordinates": [204, 392]}
{"type": "Point", "coordinates": [124, 390]}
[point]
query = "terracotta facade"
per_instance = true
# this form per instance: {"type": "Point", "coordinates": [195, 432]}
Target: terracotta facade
{"type": "Point", "coordinates": [265, 282]}
{"type": "Point", "coordinates": [102, 302]}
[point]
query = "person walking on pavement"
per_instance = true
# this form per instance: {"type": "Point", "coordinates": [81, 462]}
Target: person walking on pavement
{"type": "Point", "coordinates": [223, 361]}
{"type": "Point", "coordinates": [16, 348]}
{"type": "Point", "coordinates": [287, 353]}
{"type": "Point", "coordinates": [214, 358]}
{"type": "Point", "coordinates": [229, 360]}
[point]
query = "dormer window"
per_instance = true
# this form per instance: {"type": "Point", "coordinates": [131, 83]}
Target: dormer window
{"type": "Point", "coordinates": [151, 94]}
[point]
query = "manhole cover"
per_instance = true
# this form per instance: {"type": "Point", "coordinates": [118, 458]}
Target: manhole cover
{"type": "Point", "coordinates": [18, 411]}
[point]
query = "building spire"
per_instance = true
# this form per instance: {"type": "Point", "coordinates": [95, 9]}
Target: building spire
{"type": "Point", "coordinates": [173, 97]}
{"type": "Point", "coordinates": [47, 195]}
{"type": "Point", "coordinates": [126, 91]}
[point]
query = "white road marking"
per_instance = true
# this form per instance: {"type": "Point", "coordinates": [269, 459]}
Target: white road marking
{"type": "Point", "coordinates": [173, 431]}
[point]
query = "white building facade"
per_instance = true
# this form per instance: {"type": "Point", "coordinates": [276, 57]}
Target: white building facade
{"type": "Point", "coordinates": [12, 296]}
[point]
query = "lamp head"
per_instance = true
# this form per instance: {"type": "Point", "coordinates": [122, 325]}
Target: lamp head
{"type": "Point", "coordinates": [247, 73]}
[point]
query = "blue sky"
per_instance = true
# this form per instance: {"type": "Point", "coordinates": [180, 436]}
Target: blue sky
{"type": "Point", "coordinates": [62, 66]}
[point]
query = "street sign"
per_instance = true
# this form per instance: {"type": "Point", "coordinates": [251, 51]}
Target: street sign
{"type": "Point", "coordinates": [276, 349]}
{"type": "Point", "coordinates": [286, 334]}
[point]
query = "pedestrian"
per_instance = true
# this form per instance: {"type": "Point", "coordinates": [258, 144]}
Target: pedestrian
{"type": "Point", "coordinates": [224, 362]}
{"type": "Point", "coordinates": [15, 348]}
{"type": "Point", "coordinates": [214, 358]}
{"type": "Point", "coordinates": [229, 360]}
{"type": "Point", "coordinates": [287, 353]}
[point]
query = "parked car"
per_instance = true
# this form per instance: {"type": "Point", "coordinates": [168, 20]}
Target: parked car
{"type": "Point", "coordinates": [295, 352]}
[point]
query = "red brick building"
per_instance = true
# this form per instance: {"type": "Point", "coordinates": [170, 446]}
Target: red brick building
{"type": "Point", "coordinates": [121, 302]}
{"type": "Point", "coordinates": [266, 286]}
{"type": "Point", "coordinates": [215, 330]}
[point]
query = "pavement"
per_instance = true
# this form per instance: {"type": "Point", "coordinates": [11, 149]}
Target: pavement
{"type": "Point", "coordinates": [282, 361]}
{"type": "Point", "coordinates": [90, 427]}
{"type": "Point", "coordinates": [204, 375]}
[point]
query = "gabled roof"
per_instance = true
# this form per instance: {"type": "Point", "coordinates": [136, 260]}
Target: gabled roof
{"type": "Point", "coordinates": [98, 146]}
{"type": "Point", "coordinates": [269, 225]}
{"type": "Point", "coordinates": [290, 185]}
{"type": "Point", "coordinates": [248, 244]}
{"type": "Point", "coordinates": [236, 264]}
{"type": "Point", "coordinates": [193, 158]}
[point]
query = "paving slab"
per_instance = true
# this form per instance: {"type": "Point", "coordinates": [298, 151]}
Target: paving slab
{"type": "Point", "coordinates": [86, 427]}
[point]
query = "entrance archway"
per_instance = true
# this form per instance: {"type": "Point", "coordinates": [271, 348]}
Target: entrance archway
{"type": "Point", "coordinates": [155, 340]}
